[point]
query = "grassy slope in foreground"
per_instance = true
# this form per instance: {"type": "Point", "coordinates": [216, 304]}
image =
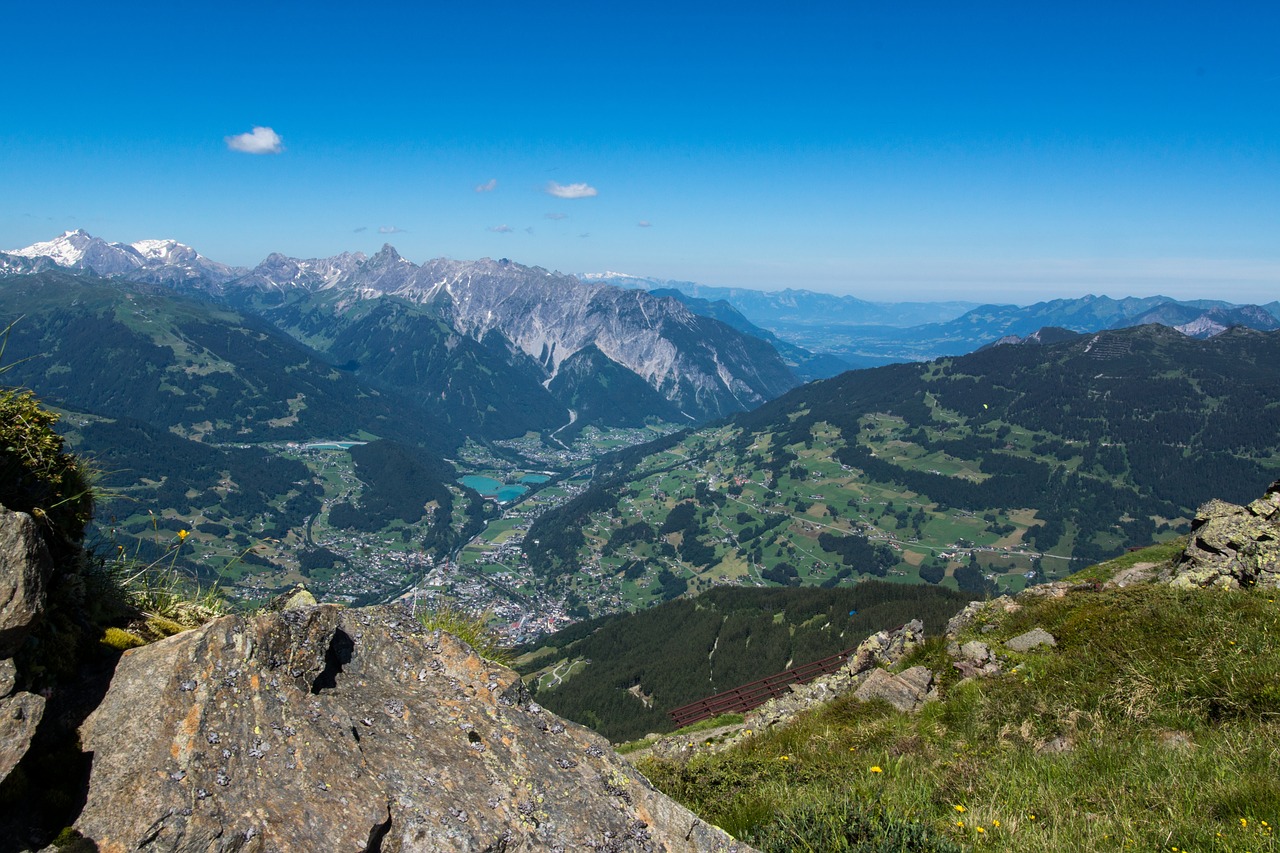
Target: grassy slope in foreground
{"type": "Point", "coordinates": [1170, 700]}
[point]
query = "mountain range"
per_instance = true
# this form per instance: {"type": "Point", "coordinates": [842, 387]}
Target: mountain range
{"type": "Point", "coordinates": [530, 320]}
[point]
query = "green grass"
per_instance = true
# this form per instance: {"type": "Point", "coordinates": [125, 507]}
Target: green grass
{"type": "Point", "coordinates": [472, 630]}
{"type": "Point", "coordinates": [1171, 700]}
{"type": "Point", "coordinates": [1102, 572]}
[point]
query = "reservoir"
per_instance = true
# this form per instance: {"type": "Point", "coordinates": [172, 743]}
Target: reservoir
{"type": "Point", "coordinates": [491, 488]}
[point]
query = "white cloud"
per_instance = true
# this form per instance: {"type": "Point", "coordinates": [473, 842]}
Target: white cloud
{"type": "Point", "coordinates": [644, 223]}
{"type": "Point", "coordinates": [557, 216]}
{"type": "Point", "coordinates": [390, 229]}
{"type": "Point", "coordinates": [260, 140]}
{"type": "Point", "coordinates": [500, 229]}
{"type": "Point", "coordinates": [487, 187]}
{"type": "Point", "coordinates": [361, 228]}
{"type": "Point", "coordinates": [571, 190]}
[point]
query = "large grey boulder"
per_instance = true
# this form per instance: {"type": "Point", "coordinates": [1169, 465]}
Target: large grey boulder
{"type": "Point", "coordinates": [905, 691]}
{"type": "Point", "coordinates": [353, 730]}
{"type": "Point", "coordinates": [1032, 639]}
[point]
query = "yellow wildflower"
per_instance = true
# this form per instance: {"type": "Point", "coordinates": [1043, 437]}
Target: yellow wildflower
{"type": "Point", "coordinates": [183, 534]}
{"type": "Point", "coordinates": [876, 769]}
{"type": "Point", "coordinates": [980, 829]}
{"type": "Point", "coordinates": [996, 824]}
{"type": "Point", "coordinates": [960, 809]}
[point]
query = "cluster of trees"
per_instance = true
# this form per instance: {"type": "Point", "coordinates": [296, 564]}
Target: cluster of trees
{"type": "Point", "coordinates": [399, 482]}
{"type": "Point", "coordinates": [686, 649]}
{"type": "Point", "coordinates": [857, 552]}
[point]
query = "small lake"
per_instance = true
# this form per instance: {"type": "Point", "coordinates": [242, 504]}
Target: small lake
{"type": "Point", "coordinates": [535, 479]}
{"type": "Point", "coordinates": [491, 488]}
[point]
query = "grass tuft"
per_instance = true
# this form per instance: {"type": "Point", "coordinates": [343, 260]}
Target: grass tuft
{"type": "Point", "coordinates": [471, 629]}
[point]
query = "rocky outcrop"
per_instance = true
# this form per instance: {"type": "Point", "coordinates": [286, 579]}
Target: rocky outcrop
{"type": "Point", "coordinates": [1232, 546]}
{"type": "Point", "coordinates": [327, 729]}
{"type": "Point", "coordinates": [24, 575]}
{"type": "Point", "coordinates": [884, 648]}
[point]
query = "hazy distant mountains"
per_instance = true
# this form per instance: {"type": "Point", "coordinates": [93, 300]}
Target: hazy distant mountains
{"type": "Point", "coordinates": [800, 306]}
{"type": "Point", "coordinates": [865, 334]}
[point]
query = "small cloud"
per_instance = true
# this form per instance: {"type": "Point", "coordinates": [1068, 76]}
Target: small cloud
{"type": "Point", "coordinates": [557, 216]}
{"type": "Point", "coordinates": [487, 187]}
{"type": "Point", "coordinates": [500, 229]}
{"type": "Point", "coordinates": [361, 228]}
{"type": "Point", "coordinates": [260, 140]}
{"type": "Point", "coordinates": [644, 223]}
{"type": "Point", "coordinates": [529, 230]}
{"type": "Point", "coordinates": [571, 190]}
{"type": "Point", "coordinates": [584, 234]}
{"type": "Point", "coordinates": [391, 229]}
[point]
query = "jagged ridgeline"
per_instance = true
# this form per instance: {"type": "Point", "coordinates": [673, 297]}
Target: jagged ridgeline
{"type": "Point", "coordinates": [989, 469]}
{"type": "Point", "coordinates": [622, 674]}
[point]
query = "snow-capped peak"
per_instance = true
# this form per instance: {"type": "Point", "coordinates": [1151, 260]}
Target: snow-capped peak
{"type": "Point", "coordinates": [166, 251]}
{"type": "Point", "coordinates": [80, 250]}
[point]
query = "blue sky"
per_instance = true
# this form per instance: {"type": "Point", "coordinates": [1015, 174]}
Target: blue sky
{"type": "Point", "coordinates": [906, 150]}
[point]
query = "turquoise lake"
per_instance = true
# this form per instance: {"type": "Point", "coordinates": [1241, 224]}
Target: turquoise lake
{"type": "Point", "coordinates": [492, 488]}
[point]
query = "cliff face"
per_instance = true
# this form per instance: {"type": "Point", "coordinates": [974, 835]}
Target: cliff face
{"type": "Point", "coordinates": [330, 729]}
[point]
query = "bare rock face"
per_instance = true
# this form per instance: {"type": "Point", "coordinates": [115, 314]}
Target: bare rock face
{"type": "Point", "coordinates": [24, 573]}
{"type": "Point", "coordinates": [1233, 546]}
{"type": "Point", "coordinates": [353, 730]}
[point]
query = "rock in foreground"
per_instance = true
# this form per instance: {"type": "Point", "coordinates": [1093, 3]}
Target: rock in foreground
{"type": "Point", "coordinates": [1233, 546]}
{"type": "Point", "coordinates": [353, 730]}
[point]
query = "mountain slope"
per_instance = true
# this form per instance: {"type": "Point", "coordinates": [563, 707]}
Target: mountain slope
{"type": "Point", "coordinates": [201, 419]}
{"type": "Point", "coordinates": [970, 471]}
{"type": "Point", "coordinates": [622, 674]}
{"type": "Point", "coordinates": [1149, 725]}
{"type": "Point", "coordinates": [704, 368]}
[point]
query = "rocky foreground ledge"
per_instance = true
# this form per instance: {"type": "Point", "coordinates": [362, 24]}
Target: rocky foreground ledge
{"type": "Point", "coordinates": [353, 730]}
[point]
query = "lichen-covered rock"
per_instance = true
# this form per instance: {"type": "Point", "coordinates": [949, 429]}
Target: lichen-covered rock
{"type": "Point", "coordinates": [24, 574]}
{"type": "Point", "coordinates": [976, 611]}
{"type": "Point", "coordinates": [886, 648]}
{"type": "Point", "coordinates": [329, 729]}
{"type": "Point", "coordinates": [1233, 546]}
{"type": "Point", "coordinates": [905, 691]}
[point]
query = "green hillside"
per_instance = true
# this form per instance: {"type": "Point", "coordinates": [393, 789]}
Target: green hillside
{"type": "Point", "coordinates": [201, 419]}
{"type": "Point", "coordinates": [980, 472]}
{"type": "Point", "coordinates": [622, 674]}
{"type": "Point", "coordinates": [1152, 725]}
